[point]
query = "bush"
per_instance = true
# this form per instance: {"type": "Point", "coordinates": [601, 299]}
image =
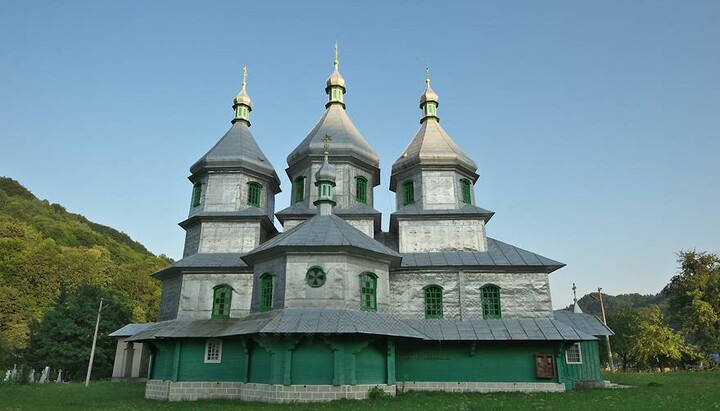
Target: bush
{"type": "Point", "coordinates": [377, 393]}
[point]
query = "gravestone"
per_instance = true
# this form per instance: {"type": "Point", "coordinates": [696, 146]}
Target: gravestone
{"type": "Point", "coordinates": [59, 377]}
{"type": "Point", "coordinates": [31, 377]}
{"type": "Point", "coordinates": [7, 375]}
{"type": "Point", "coordinates": [44, 376]}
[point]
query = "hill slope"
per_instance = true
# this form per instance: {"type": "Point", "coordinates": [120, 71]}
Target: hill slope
{"type": "Point", "coordinates": [43, 246]}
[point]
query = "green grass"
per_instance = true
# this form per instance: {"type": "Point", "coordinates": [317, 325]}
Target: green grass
{"type": "Point", "coordinates": [681, 390]}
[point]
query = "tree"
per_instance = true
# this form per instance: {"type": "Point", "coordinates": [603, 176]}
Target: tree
{"type": "Point", "coordinates": [626, 325]}
{"type": "Point", "coordinates": [694, 299]}
{"type": "Point", "coordinates": [62, 339]}
{"type": "Point", "coordinates": [656, 345]}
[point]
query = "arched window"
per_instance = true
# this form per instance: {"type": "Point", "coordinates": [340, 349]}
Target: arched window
{"type": "Point", "coordinates": [254, 191]}
{"type": "Point", "coordinates": [197, 191]}
{"type": "Point", "coordinates": [266, 292]}
{"type": "Point", "coordinates": [298, 189]}
{"type": "Point", "coordinates": [408, 190]}
{"type": "Point", "coordinates": [433, 302]}
{"type": "Point", "coordinates": [361, 189]}
{"type": "Point", "coordinates": [222, 297]}
{"type": "Point", "coordinates": [490, 301]}
{"type": "Point", "coordinates": [368, 292]}
{"type": "Point", "coordinates": [466, 191]}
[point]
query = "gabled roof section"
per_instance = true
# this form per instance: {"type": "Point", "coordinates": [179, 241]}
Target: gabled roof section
{"type": "Point", "coordinates": [300, 209]}
{"type": "Point", "coordinates": [498, 255]}
{"type": "Point", "coordinates": [323, 232]}
{"type": "Point", "coordinates": [583, 322]}
{"type": "Point", "coordinates": [346, 140]}
{"type": "Point", "coordinates": [433, 146]}
{"type": "Point", "coordinates": [236, 149]}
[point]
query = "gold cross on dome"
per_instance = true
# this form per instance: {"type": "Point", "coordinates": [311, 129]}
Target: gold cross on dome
{"type": "Point", "coordinates": [244, 77]}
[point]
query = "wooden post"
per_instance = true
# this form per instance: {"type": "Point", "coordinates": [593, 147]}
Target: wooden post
{"type": "Point", "coordinates": [607, 337]}
{"type": "Point", "coordinates": [92, 350]}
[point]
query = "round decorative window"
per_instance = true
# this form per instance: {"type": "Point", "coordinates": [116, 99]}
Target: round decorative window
{"type": "Point", "coordinates": [315, 277]}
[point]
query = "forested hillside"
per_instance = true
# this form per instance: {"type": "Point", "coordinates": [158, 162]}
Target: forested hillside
{"type": "Point", "coordinates": [44, 248]}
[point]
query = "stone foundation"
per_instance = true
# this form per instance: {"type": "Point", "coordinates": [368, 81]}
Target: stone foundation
{"type": "Point", "coordinates": [191, 391]}
{"type": "Point", "coordinates": [481, 386]}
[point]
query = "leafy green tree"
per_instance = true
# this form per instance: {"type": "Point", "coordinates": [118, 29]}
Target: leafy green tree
{"type": "Point", "coordinates": [626, 325]}
{"type": "Point", "coordinates": [63, 338]}
{"type": "Point", "coordinates": [694, 299]}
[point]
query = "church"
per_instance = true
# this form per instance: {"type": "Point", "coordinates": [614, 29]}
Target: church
{"type": "Point", "coordinates": [332, 307]}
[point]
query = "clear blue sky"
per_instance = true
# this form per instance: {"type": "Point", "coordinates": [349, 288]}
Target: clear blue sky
{"type": "Point", "coordinates": [594, 124]}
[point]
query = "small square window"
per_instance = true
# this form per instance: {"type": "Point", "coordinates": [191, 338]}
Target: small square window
{"type": "Point", "coordinates": [213, 351]}
{"type": "Point", "coordinates": [573, 355]}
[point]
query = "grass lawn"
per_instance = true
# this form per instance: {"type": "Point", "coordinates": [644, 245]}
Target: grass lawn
{"type": "Point", "coordinates": [681, 390]}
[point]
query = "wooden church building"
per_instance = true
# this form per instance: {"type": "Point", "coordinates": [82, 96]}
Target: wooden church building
{"type": "Point", "coordinates": [332, 306]}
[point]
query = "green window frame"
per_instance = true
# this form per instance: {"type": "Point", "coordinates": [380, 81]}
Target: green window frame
{"type": "Point", "coordinates": [368, 291]}
{"type": "Point", "coordinates": [196, 194]}
{"type": "Point", "coordinates": [433, 302]}
{"type": "Point", "coordinates": [266, 292]}
{"type": "Point", "coordinates": [222, 300]}
{"type": "Point", "coordinates": [361, 185]}
{"type": "Point", "coordinates": [299, 189]}
{"type": "Point", "coordinates": [315, 276]}
{"type": "Point", "coordinates": [490, 301]}
{"type": "Point", "coordinates": [408, 190]}
{"type": "Point", "coordinates": [254, 194]}
{"type": "Point", "coordinates": [466, 191]}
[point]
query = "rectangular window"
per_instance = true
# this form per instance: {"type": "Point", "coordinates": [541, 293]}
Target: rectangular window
{"type": "Point", "coordinates": [266, 292]}
{"type": "Point", "coordinates": [213, 351]}
{"type": "Point", "coordinates": [408, 192]}
{"type": "Point", "coordinates": [544, 366]}
{"type": "Point", "coordinates": [361, 190]}
{"type": "Point", "coordinates": [253, 198]}
{"type": "Point", "coordinates": [368, 292]}
{"type": "Point", "coordinates": [490, 296]}
{"type": "Point", "coordinates": [299, 189]}
{"type": "Point", "coordinates": [433, 302]}
{"type": "Point", "coordinates": [466, 191]}
{"type": "Point", "coordinates": [573, 355]}
{"type": "Point", "coordinates": [197, 191]}
{"type": "Point", "coordinates": [222, 296]}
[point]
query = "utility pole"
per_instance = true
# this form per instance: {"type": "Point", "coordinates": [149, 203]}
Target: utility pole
{"type": "Point", "coordinates": [607, 337]}
{"type": "Point", "coordinates": [92, 350]}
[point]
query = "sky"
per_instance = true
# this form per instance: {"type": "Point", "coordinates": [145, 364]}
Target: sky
{"type": "Point", "coordinates": [594, 124]}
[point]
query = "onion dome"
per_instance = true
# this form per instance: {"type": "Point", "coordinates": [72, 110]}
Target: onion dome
{"type": "Point", "coordinates": [325, 181]}
{"type": "Point", "coordinates": [242, 104]}
{"type": "Point", "coordinates": [237, 149]}
{"type": "Point", "coordinates": [432, 145]}
{"type": "Point", "coordinates": [348, 143]}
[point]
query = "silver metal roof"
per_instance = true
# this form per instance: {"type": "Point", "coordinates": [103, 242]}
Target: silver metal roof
{"type": "Point", "coordinates": [498, 254]}
{"type": "Point", "coordinates": [323, 231]}
{"type": "Point", "coordinates": [343, 321]}
{"type": "Point", "coordinates": [584, 322]}
{"type": "Point", "coordinates": [433, 146]}
{"type": "Point", "coordinates": [219, 261]}
{"type": "Point", "coordinates": [468, 209]}
{"type": "Point", "coordinates": [236, 149]}
{"type": "Point", "coordinates": [130, 329]}
{"type": "Point", "coordinates": [346, 139]}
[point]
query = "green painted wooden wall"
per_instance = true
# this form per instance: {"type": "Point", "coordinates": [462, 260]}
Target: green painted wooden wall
{"type": "Point", "coordinates": [589, 370]}
{"type": "Point", "coordinates": [192, 366]}
{"type": "Point", "coordinates": [260, 364]}
{"type": "Point", "coordinates": [162, 360]}
{"type": "Point", "coordinates": [312, 363]}
{"type": "Point", "coordinates": [456, 361]}
{"type": "Point", "coordinates": [371, 363]}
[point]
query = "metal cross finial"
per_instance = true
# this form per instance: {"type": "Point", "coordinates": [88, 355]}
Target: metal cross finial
{"type": "Point", "coordinates": [574, 293]}
{"type": "Point", "coordinates": [244, 77]}
{"type": "Point", "coordinates": [336, 55]}
{"type": "Point", "coordinates": [427, 75]}
{"type": "Point", "coordinates": [326, 145]}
